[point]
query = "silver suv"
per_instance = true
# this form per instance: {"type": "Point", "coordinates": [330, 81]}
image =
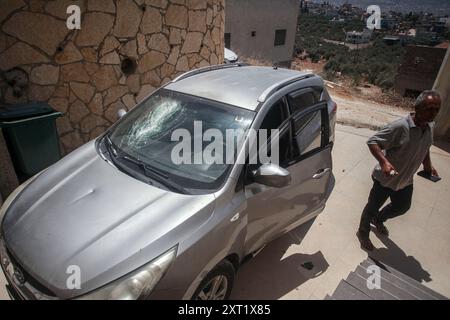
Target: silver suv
{"type": "Point", "coordinates": [117, 219]}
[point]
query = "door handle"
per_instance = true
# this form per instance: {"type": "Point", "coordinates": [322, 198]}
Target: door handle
{"type": "Point", "coordinates": [320, 173]}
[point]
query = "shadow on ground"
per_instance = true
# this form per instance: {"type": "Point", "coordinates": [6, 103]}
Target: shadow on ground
{"type": "Point", "coordinates": [270, 276]}
{"type": "Point", "coordinates": [396, 258]}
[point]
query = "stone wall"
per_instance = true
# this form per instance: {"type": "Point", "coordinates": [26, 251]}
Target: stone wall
{"type": "Point", "coordinates": [81, 72]}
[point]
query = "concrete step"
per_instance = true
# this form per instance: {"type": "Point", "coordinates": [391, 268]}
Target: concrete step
{"type": "Point", "coordinates": [399, 279]}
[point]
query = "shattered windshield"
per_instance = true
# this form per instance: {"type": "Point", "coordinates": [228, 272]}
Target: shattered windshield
{"type": "Point", "coordinates": [170, 133]}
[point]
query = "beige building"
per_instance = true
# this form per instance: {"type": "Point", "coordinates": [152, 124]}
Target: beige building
{"type": "Point", "coordinates": [124, 50]}
{"type": "Point", "coordinates": [262, 29]}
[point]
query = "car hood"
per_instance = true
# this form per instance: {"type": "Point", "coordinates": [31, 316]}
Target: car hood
{"type": "Point", "coordinates": [84, 212]}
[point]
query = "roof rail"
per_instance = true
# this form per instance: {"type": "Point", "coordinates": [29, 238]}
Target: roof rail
{"type": "Point", "coordinates": [277, 86]}
{"type": "Point", "coordinates": [207, 69]}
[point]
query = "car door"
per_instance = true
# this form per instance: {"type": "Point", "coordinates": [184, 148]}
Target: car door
{"type": "Point", "coordinates": [306, 153]}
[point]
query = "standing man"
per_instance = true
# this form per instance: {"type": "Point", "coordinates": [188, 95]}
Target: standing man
{"type": "Point", "coordinates": [400, 148]}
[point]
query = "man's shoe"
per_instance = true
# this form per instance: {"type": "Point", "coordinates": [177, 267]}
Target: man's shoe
{"type": "Point", "coordinates": [365, 242]}
{"type": "Point", "coordinates": [380, 228]}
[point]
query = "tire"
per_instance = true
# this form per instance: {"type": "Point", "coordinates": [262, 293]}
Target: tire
{"type": "Point", "coordinates": [223, 275]}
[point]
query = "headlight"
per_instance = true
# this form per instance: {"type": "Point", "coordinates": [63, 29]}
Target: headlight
{"type": "Point", "coordinates": [138, 284]}
{"type": "Point", "coordinates": [11, 198]}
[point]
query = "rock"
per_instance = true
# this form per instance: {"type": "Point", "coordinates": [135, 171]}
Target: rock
{"type": "Point", "coordinates": [109, 45]}
{"type": "Point", "coordinates": [151, 78]}
{"type": "Point", "coordinates": [104, 78]}
{"type": "Point", "coordinates": [192, 43]}
{"type": "Point", "coordinates": [205, 53]}
{"type": "Point", "coordinates": [110, 58]}
{"type": "Point", "coordinates": [71, 141]}
{"type": "Point", "coordinates": [197, 21]}
{"type": "Point", "coordinates": [144, 92]}
{"type": "Point", "coordinates": [111, 111]}
{"type": "Point", "coordinates": [157, 3]}
{"type": "Point", "coordinates": [175, 36]}
{"type": "Point", "coordinates": [217, 21]}
{"type": "Point", "coordinates": [214, 60]}
{"type": "Point", "coordinates": [182, 2]}
{"type": "Point", "coordinates": [134, 83]}
{"type": "Point", "coordinates": [89, 54]}
{"type": "Point", "coordinates": [40, 93]}
{"type": "Point", "coordinates": [97, 131]}
{"type": "Point", "coordinates": [8, 6]}
{"type": "Point", "coordinates": [129, 101]}
{"type": "Point", "coordinates": [94, 28]}
{"type": "Point", "coordinates": [102, 5]}
{"type": "Point", "coordinates": [70, 54]}
{"type": "Point", "coordinates": [182, 64]}
{"type": "Point", "coordinates": [142, 44]}
{"type": "Point", "coordinates": [59, 104]}
{"type": "Point", "coordinates": [114, 93]}
{"type": "Point", "coordinates": [193, 59]}
{"type": "Point", "coordinates": [209, 16]}
{"type": "Point", "coordinates": [63, 125]}
{"type": "Point", "coordinates": [173, 57]}
{"type": "Point", "coordinates": [91, 67]}
{"type": "Point", "coordinates": [74, 72]}
{"type": "Point", "coordinates": [216, 35]}
{"type": "Point", "coordinates": [151, 21]}
{"type": "Point", "coordinates": [177, 16]}
{"type": "Point", "coordinates": [167, 70]}
{"type": "Point", "coordinates": [203, 63]}
{"type": "Point", "coordinates": [197, 4]}
{"type": "Point", "coordinates": [159, 42]}
{"type": "Point", "coordinates": [96, 105]}
{"type": "Point", "coordinates": [128, 18]}
{"type": "Point", "coordinates": [33, 28]}
{"type": "Point", "coordinates": [129, 49]}
{"type": "Point", "coordinates": [150, 61]}
{"type": "Point", "coordinates": [207, 40]}
{"type": "Point", "coordinates": [45, 74]}
{"type": "Point", "coordinates": [83, 91]}
{"type": "Point", "coordinates": [20, 54]}
{"type": "Point", "coordinates": [90, 122]}
{"type": "Point", "coordinates": [78, 111]}
{"type": "Point", "coordinates": [59, 8]}
{"type": "Point", "coordinates": [11, 98]}
{"type": "Point", "coordinates": [61, 92]}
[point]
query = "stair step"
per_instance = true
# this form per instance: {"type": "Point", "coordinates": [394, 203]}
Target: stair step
{"type": "Point", "coordinates": [400, 292]}
{"type": "Point", "coordinates": [359, 282]}
{"type": "Point", "coordinates": [394, 276]}
{"type": "Point", "coordinates": [346, 291]}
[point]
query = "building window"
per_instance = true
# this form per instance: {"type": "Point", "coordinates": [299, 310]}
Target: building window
{"type": "Point", "coordinates": [280, 37]}
{"type": "Point", "coordinates": [253, 33]}
{"type": "Point", "coordinates": [227, 40]}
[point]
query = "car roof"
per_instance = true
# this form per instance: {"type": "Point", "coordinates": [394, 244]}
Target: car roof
{"type": "Point", "coordinates": [240, 86]}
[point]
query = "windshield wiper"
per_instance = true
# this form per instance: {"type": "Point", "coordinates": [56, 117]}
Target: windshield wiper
{"type": "Point", "coordinates": [154, 174]}
{"type": "Point", "coordinates": [146, 169]}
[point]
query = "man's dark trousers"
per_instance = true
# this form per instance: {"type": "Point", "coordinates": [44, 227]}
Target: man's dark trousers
{"type": "Point", "coordinates": [400, 204]}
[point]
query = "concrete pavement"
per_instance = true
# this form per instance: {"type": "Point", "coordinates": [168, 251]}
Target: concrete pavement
{"type": "Point", "coordinates": [418, 246]}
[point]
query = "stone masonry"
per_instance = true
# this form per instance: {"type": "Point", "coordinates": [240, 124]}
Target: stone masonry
{"type": "Point", "coordinates": [81, 72]}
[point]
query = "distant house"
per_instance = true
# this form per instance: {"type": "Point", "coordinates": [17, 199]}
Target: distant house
{"type": "Point", "coordinates": [262, 29]}
{"type": "Point", "coordinates": [391, 40]}
{"type": "Point", "coordinates": [359, 37]}
{"type": "Point", "coordinates": [419, 70]}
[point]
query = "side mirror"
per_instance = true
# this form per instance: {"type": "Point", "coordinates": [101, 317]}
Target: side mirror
{"type": "Point", "coordinates": [272, 175]}
{"type": "Point", "coordinates": [121, 112]}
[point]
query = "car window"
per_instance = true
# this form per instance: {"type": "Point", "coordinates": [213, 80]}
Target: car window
{"type": "Point", "coordinates": [308, 132]}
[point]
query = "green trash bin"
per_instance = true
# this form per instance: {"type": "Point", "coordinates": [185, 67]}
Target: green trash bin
{"type": "Point", "coordinates": [31, 136]}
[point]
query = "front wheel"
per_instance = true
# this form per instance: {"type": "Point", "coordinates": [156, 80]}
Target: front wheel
{"type": "Point", "coordinates": [217, 284]}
